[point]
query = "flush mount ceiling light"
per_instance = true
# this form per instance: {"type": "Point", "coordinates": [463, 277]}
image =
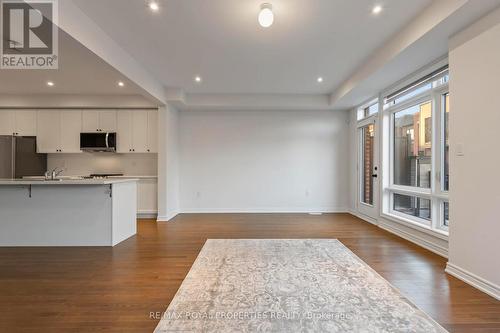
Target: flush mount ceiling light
{"type": "Point", "coordinates": [197, 79]}
{"type": "Point", "coordinates": [266, 16]}
{"type": "Point", "coordinates": [50, 83]}
{"type": "Point", "coordinates": [121, 84]}
{"type": "Point", "coordinates": [320, 79]}
{"type": "Point", "coordinates": [153, 5]}
{"type": "Point", "coordinates": [377, 9]}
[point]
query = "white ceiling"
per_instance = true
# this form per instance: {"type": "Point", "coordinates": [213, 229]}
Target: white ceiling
{"type": "Point", "coordinates": [242, 64]}
{"type": "Point", "coordinates": [80, 72]}
{"type": "Point", "coordinates": [429, 48]}
{"type": "Point", "coordinates": [221, 41]}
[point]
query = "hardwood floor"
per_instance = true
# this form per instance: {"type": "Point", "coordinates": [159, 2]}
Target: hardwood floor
{"type": "Point", "coordinates": [115, 289]}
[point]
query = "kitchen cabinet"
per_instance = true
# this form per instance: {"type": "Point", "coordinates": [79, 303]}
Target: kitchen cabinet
{"type": "Point", "coordinates": [18, 122]}
{"type": "Point", "coordinates": [99, 121]}
{"type": "Point", "coordinates": [123, 132]}
{"type": "Point", "coordinates": [6, 122]}
{"type": "Point", "coordinates": [133, 131]}
{"type": "Point", "coordinates": [147, 196]}
{"type": "Point", "coordinates": [48, 138]}
{"type": "Point", "coordinates": [139, 131]}
{"type": "Point", "coordinates": [153, 131]}
{"type": "Point", "coordinates": [59, 131]}
{"type": "Point", "coordinates": [71, 126]}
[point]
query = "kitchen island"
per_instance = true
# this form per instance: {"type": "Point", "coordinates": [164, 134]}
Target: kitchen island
{"type": "Point", "coordinates": [67, 212]}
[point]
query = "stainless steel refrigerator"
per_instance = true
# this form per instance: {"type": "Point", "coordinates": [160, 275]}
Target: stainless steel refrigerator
{"type": "Point", "coordinates": [18, 157]}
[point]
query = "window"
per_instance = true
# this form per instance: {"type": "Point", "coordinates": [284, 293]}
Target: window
{"type": "Point", "coordinates": [417, 161]}
{"type": "Point", "coordinates": [413, 145]}
{"type": "Point", "coordinates": [446, 214]}
{"type": "Point", "coordinates": [446, 143]}
{"type": "Point", "coordinates": [368, 110]}
{"type": "Point", "coordinates": [413, 206]}
{"type": "Point", "coordinates": [368, 142]}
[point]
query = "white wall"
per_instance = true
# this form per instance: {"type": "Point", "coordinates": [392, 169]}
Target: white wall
{"type": "Point", "coordinates": [474, 243]}
{"type": "Point", "coordinates": [168, 163]}
{"type": "Point", "coordinates": [254, 161]}
{"type": "Point", "coordinates": [86, 163]}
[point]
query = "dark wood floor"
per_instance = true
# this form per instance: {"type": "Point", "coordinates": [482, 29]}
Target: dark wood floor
{"type": "Point", "coordinates": [115, 289]}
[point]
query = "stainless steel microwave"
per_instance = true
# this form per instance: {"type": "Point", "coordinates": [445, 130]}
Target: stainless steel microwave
{"type": "Point", "coordinates": [98, 141]}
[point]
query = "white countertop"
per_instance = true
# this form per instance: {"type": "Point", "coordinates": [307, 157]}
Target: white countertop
{"type": "Point", "coordinates": [134, 177]}
{"type": "Point", "coordinates": [65, 181]}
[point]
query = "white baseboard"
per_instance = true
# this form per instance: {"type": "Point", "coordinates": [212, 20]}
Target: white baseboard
{"type": "Point", "coordinates": [426, 244]}
{"type": "Point", "coordinates": [412, 237]}
{"type": "Point", "coordinates": [364, 217]}
{"type": "Point", "coordinates": [477, 282]}
{"type": "Point", "coordinates": [146, 214]}
{"type": "Point", "coordinates": [273, 210]}
{"type": "Point", "coordinates": [168, 217]}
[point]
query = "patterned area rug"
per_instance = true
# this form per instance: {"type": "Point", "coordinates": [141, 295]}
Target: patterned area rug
{"type": "Point", "coordinates": [274, 285]}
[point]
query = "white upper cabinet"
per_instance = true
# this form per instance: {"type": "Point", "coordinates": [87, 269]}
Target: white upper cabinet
{"type": "Point", "coordinates": [90, 121]}
{"type": "Point", "coordinates": [59, 131]}
{"type": "Point", "coordinates": [18, 122]}
{"type": "Point", "coordinates": [49, 127]}
{"type": "Point", "coordinates": [140, 131]}
{"type": "Point", "coordinates": [71, 126]}
{"type": "Point", "coordinates": [6, 122]}
{"type": "Point", "coordinates": [25, 122]}
{"type": "Point", "coordinates": [107, 120]}
{"type": "Point", "coordinates": [99, 121]}
{"type": "Point", "coordinates": [134, 131]}
{"type": "Point", "coordinates": [124, 131]}
{"type": "Point", "coordinates": [152, 131]}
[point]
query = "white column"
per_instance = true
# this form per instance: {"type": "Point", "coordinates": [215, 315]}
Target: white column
{"type": "Point", "coordinates": [168, 163]}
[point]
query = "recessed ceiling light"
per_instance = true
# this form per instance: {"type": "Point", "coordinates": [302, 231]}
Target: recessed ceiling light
{"type": "Point", "coordinates": [153, 5]}
{"type": "Point", "coordinates": [266, 16]}
{"type": "Point", "coordinates": [121, 84]}
{"type": "Point", "coordinates": [377, 9]}
{"type": "Point", "coordinates": [320, 79]}
{"type": "Point", "coordinates": [50, 83]}
{"type": "Point", "coordinates": [197, 79]}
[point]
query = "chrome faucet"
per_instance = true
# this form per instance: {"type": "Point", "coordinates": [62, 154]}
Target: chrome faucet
{"type": "Point", "coordinates": [52, 175]}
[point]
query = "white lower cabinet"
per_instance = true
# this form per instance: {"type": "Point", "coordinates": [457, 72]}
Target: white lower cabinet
{"type": "Point", "coordinates": [58, 131]}
{"type": "Point", "coordinates": [147, 196]}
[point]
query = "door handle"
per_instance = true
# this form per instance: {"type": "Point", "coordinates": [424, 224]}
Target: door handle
{"type": "Point", "coordinates": [374, 175]}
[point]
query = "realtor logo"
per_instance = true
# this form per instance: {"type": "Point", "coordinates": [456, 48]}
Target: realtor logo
{"type": "Point", "coordinates": [29, 34]}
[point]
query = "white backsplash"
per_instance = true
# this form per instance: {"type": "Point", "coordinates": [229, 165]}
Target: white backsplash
{"type": "Point", "coordinates": [88, 163]}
